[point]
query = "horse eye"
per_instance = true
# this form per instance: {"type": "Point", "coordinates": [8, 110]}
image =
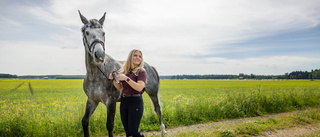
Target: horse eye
{"type": "Point", "coordinates": [87, 32]}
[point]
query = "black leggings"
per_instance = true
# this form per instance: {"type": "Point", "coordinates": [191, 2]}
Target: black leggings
{"type": "Point", "coordinates": [131, 111]}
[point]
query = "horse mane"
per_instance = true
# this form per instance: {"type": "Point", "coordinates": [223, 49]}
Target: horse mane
{"type": "Point", "coordinates": [93, 23]}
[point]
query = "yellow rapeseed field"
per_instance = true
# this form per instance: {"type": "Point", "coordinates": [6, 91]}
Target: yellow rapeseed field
{"type": "Point", "coordinates": [38, 107]}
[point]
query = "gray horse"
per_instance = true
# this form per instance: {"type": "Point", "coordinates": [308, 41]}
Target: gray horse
{"type": "Point", "coordinates": [99, 65]}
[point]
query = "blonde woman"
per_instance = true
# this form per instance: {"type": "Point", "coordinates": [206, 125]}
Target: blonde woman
{"type": "Point", "coordinates": [132, 78]}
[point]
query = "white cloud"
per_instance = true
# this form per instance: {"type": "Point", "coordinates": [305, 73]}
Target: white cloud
{"type": "Point", "coordinates": [40, 58]}
{"type": "Point", "coordinates": [264, 65]}
{"type": "Point", "coordinates": [183, 23]}
{"type": "Point", "coordinates": [9, 23]}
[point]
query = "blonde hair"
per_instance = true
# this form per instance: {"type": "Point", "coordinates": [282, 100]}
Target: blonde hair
{"type": "Point", "coordinates": [128, 65]}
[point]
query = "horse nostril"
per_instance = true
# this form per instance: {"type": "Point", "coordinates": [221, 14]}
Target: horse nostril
{"type": "Point", "coordinates": [100, 58]}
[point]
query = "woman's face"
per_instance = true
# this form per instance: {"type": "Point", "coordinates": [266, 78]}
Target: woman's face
{"type": "Point", "coordinates": [136, 59]}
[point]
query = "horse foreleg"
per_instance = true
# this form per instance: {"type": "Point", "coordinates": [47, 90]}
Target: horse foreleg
{"type": "Point", "coordinates": [157, 109]}
{"type": "Point", "coordinates": [111, 110]}
{"type": "Point", "coordinates": [90, 108]}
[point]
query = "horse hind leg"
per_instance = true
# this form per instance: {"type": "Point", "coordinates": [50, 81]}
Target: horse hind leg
{"type": "Point", "coordinates": [157, 109]}
{"type": "Point", "coordinates": [90, 108]}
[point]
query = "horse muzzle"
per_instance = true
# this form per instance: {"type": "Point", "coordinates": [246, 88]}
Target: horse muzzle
{"type": "Point", "coordinates": [98, 51]}
{"type": "Point", "coordinates": [99, 56]}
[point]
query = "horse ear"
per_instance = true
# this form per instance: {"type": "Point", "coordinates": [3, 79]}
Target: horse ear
{"type": "Point", "coordinates": [102, 18]}
{"type": "Point", "coordinates": [83, 19]}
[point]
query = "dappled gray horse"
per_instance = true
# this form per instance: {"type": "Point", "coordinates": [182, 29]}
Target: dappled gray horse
{"type": "Point", "coordinates": [99, 65]}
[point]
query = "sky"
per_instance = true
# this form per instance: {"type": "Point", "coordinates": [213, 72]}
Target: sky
{"type": "Point", "coordinates": [262, 37]}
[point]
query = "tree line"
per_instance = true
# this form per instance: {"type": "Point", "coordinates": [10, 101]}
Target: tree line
{"type": "Point", "coordinates": [314, 74]}
{"type": "Point", "coordinates": [43, 76]}
{"type": "Point", "coordinates": [8, 76]}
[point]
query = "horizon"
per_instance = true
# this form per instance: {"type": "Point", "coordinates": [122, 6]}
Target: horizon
{"type": "Point", "coordinates": [168, 75]}
{"type": "Point", "coordinates": [176, 37]}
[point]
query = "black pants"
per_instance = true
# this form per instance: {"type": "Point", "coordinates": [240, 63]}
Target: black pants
{"type": "Point", "coordinates": [131, 111]}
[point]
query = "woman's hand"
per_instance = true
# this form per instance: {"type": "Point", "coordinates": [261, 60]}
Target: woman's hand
{"type": "Point", "coordinates": [122, 77]}
{"type": "Point", "coordinates": [110, 76]}
{"type": "Point", "coordinates": [116, 83]}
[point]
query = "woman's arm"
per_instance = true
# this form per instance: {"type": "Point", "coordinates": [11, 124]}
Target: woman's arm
{"type": "Point", "coordinates": [138, 86]}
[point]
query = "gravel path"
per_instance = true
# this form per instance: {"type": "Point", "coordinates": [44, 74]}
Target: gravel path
{"type": "Point", "coordinates": [305, 130]}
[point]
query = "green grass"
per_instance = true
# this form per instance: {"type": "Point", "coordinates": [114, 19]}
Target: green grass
{"type": "Point", "coordinates": [56, 107]}
{"type": "Point", "coordinates": [260, 127]}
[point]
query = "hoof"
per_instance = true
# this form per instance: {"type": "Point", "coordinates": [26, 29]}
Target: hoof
{"type": "Point", "coordinates": [163, 130]}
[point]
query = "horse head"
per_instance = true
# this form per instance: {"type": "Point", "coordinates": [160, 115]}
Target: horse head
{"type": "Point", "coordinates": [94, 37]}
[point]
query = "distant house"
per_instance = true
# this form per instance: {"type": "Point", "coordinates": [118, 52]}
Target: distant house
{"type": "Point", "coordinates": [240, 78]}
{"type": "Point", "coordinates": [45, 77]}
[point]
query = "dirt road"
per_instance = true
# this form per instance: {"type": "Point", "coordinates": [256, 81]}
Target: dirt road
{"type": "Point", "coordinates": [292, 131]}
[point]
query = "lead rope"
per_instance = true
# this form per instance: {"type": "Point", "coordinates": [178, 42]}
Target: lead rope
{"type": "Point", "coordinates": [114, 75]}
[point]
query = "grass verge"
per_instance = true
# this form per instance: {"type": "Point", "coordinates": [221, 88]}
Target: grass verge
{"type": "Point", "coordinates": [263, 126]}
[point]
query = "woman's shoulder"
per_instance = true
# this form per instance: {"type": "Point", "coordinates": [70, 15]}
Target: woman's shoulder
{"type": "Point", "coordinates": [141, 71]}
{"type": "Point", "coordinates": [142, 74]}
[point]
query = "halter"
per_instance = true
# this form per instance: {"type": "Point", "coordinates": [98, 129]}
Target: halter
{"type": "Point", "coordinates": [94, 43]}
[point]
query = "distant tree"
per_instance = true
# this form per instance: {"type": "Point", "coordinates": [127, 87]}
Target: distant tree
{"type": "Point", "coordinates": [8, 76]}
{"type": "Point", "coordinates": [316, 74]}
{"type": "Point", "coordinates": [286, 75]}
{"type": "Point", "coordinates": [252, 76]}
{"type": "Point", "coordinates": [299, 75]}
